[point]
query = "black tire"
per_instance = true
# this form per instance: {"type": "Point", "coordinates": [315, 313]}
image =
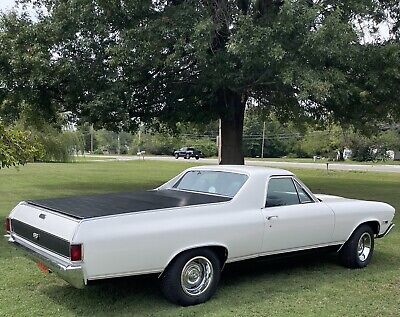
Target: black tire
{"type": "Point", "coordinates": [176, 155]}
{"type": "Point", "coordinates": [350, 253]}
{"type": "Point", "coordinates": [172, 287]}
{"type": "Point", "coordinates": [187, 156]}
{"type": "Point", "coordinates": [197, 157]}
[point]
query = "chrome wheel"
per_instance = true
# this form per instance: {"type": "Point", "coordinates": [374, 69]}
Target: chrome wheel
{"type": "Point", "coordinates": [196, 276]}
{"type": "Point", "coordinates": [364, 246]}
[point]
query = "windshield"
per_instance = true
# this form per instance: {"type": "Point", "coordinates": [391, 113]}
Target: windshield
{"type": "Point", "coordinates": [212, 182]}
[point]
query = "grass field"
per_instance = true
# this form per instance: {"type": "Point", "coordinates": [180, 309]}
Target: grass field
{"type": "Point", "coordinates": [308, 286]}
{"type": "Point", "coordinates": [89, 158]}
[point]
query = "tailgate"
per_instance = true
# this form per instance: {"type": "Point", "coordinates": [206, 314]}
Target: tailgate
{"type": "Point", "coordinates": [45, 228]}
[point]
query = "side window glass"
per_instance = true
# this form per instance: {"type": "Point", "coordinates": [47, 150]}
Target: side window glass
{"type": "Point", "coordinates": [281, 192]}
{"type": "Point", "coordinates": [303, 196]}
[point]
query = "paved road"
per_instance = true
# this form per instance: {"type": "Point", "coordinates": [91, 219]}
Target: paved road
{"type": "Point", "coordinates": [288, 165]}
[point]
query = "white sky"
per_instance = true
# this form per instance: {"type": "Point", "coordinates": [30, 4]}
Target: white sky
{"type": "Point", "coordinates": [6, 4]}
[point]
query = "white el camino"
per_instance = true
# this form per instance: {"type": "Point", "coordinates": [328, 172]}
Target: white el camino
{"type": "Point", "coordinates": [187, 229]}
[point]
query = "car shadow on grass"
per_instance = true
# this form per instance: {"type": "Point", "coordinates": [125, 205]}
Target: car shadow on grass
{"type": "Point", "coordinates": [141, 295]}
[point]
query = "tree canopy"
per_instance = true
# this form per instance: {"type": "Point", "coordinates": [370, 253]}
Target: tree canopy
{"type": "Point", "coordinates": [116, 63]}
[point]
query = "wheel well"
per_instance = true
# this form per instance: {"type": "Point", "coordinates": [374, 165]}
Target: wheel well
{"type": "Point", "coordinates": [220, 251]}
{"type": "Point", "coordinates": [375, 226]}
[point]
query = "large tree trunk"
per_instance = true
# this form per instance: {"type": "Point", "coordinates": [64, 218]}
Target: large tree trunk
{"type": "Point", "coordinates": [232, 129]}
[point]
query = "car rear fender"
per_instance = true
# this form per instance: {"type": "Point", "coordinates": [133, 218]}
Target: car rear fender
{"type": "Point", "coordinates": [221, 249]}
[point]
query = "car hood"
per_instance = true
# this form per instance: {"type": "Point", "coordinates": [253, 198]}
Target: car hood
{"type": "Point", "coordinates": [332, 201]}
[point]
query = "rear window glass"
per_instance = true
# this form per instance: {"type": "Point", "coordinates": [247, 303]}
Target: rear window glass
{"type": "Point", "coordinates": [212, 182]}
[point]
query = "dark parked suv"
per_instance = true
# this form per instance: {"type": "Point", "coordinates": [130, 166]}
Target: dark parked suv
{"type": "Point", "coordinates": [187, 153]}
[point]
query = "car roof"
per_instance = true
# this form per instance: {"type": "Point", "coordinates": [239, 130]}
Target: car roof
{"type": "Point", "coordinates": [246, 169]}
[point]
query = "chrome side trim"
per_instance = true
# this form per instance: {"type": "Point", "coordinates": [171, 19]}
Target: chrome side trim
{"type": "Point", "coordinates": [124, 274]}
{"type": "Point", "coordinates": [71, 273]}
{"type": "Point", "coordinates": [276, 252]}
{"type": "Point", "coordinates": [392, 225]}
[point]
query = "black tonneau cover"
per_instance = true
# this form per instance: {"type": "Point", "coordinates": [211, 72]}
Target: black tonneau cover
{"type": "Point", "coordinates": [83, 207]}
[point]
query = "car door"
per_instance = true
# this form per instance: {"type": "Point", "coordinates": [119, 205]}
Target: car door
{"type": "Point", "coordinates": [294, 219]}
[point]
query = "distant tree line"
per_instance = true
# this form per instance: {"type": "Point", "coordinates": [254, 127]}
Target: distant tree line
{"type": "Point", "coordinates": [41, 141]}
{"type": "Point", "coordinates": [308, 140]}
{"type": "Point", "coordinates": [290, 139]}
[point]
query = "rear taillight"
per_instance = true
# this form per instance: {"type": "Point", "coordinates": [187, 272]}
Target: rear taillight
{"type": "Point", "coordinates": [76, 253]}
{"type": "Point", "coordinates": [7, 225]}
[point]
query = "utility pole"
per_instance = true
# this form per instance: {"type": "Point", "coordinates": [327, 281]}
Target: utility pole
{"type": "Point", "coordinates": [140, 138]}
{"type": "Point", "coordinates": [219, 139]}
{"type": "Point", "coordinates": [91, 138]}
{"type": "Point", "coordinates": [118, 145]}
{"type": "Point", "coordinates": [263, 142]}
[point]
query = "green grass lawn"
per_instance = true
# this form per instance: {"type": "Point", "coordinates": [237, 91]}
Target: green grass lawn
{"type": "Point", "coordinates": [307, 286]}
{"type": "Point", "coordinates": [89, 158]}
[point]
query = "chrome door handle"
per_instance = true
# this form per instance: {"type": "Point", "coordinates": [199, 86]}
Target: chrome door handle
{"type": "Point", "coordinates": [272, 217]}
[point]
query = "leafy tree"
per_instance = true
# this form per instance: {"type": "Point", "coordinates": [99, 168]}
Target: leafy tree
{"type": "Point", "coordinates": [335, 139]}
{"type": "Point", "coordinates": [330, 141]}
{"type": "Point", "coordinates": [160, 140]}
{"type": "Point", "coordinates": [280, 139]}
{"type": "Point", "coordinates": [58, 141]}
{"type": "Point", "coordinates": [108, 141]}
{"type": "Point", "coordinates": [58, 146]}
{"type": "Point", "coordinates": [316, 143]}
{"type": "Point", "coordinates": [17, 147]}
{"type": "Point", "coordinates": [116, 63]}
{"type": "Point", "coordinates": [389, 140]}
{"type": "Point", "coordinates": [362, 149]}
{"type": "Point", "coordinates": [374, 147]}
{"type": "Point", "coordinates": [85, 130]}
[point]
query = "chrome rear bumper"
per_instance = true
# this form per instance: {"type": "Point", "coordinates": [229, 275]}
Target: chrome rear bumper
{"type": "Point", "coordinates": [73, 274]}
{"type": "Point", "coordinates": [387, 231]}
